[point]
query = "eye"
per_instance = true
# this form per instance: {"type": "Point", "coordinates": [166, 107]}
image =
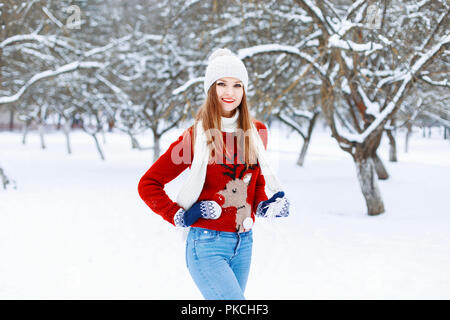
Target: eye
{"type": "Point", "coordinates": [221, 84]}
{"type": "Point", "coordinates": [237, 85]}
{"type": "Point", "coordinates": [234, 190]}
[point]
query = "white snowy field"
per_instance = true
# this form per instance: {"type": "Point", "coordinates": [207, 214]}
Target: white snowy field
{"type": "Point", "coordinates": [75, 227]}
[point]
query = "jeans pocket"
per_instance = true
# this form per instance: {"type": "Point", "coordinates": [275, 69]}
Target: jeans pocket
{"type": "Point", "coordinates": [205, 235]}
{"type": "Point", "coordinates": [205, 243]}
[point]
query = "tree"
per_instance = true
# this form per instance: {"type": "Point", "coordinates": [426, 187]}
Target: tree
{"type": "Point", "coordinates": [363, 83]}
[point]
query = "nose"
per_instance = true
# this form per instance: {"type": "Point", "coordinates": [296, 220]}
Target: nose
{"type": "Point", "coordinates": [228, 90]}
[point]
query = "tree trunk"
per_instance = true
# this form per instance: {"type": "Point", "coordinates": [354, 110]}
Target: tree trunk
{"type": "Point", "coordinates": [134, 142]}
{"type": "Point", "coordinates": [41, 135]}
{"type": "Point", "coordinates": [66, 129]}
{"type": "Point", "coordinates": [103, 136]}
{"type": "Point", "coordinates": [110, 125]}
{"type": "Point", "coordinates": [301, 158]}
{"type": "Point", "coordinates": [25, 131]}
{"type": "Point", "coordinates": [392, 146]}
{"type": "Point", "coordinates": [58, 125]}
{"type": "Point", "coordinates": [366, 176]}
{"type": "Point", "coordinates": [408, 135]}
{"type": "Point", "coordinates": [5, 180]}
{"type": "Point", "coordinates": [380, 169]}
{"type": "Point", "coordinates": [371, 148]}
{"type": "Point", "coordinates": [156, 146]}
{"type": "Point", "coordinates": [11, 120]}
{"type": "Point", "coordinates": [312, 122]}
{"type": "Point", "coordinates": [99, 149]}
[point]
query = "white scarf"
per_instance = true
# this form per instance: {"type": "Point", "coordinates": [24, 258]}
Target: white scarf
{"type": "Point", "coordinates": [193, 185]}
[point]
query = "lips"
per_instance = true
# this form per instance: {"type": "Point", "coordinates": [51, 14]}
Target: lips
{"type": "Point", "coordinates": [227, 100]}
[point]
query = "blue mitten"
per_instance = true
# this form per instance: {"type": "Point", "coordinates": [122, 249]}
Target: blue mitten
{"type": "Point", "coordinates": [277, 206]}
{"type": "Point", "coordinates": [202, 209]}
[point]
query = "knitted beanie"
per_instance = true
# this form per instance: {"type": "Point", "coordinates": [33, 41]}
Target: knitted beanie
{"type": "Point", "coordinates": [223, 63]}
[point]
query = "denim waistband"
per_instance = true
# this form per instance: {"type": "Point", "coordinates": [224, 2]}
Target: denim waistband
{"type": "Point", "coordinates": [222, 233]}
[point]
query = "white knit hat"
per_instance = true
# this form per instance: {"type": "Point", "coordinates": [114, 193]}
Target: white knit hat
{"type": "Point", "coordinates": [223, 63]}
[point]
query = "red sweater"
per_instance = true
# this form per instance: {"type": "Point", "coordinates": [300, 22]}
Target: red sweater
{"type": "Point", "coordinates": [230, 184]}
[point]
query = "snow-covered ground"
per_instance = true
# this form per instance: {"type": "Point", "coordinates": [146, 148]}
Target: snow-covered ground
{"type": "Point", "coordinates": [75, 227]}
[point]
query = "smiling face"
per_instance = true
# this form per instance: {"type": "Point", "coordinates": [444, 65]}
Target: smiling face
{"type": "Point", "coordinates": [229, 93]}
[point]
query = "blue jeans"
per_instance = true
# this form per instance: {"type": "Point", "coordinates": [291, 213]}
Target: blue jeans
{"type": "Point", "coordinates": [219, 262]}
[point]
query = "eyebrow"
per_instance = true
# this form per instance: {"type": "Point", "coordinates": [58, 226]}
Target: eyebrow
{"type": "Point", "coordinates": [239, 81]}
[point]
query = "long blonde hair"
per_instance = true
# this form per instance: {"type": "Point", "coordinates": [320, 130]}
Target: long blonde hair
{"type": "Point", "coordinates": [210, 114]}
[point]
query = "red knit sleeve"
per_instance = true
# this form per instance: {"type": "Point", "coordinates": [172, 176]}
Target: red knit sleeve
{"type": "Point", "coordinates": [171, 164]}
{"type": "Point", "coordinates": [260, 193]}
{"type": "Point", "coordinates": [263, 132]}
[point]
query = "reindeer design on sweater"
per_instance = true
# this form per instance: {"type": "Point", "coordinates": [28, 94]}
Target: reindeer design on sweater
{"type": "Point", "coordinates": [235, 193]}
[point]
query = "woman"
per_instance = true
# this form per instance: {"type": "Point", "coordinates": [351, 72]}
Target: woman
{"type": "Point", "coordinates": [225, 151]}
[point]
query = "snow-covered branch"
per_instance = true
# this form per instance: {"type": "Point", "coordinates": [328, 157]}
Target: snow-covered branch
{"type": "Point", "coordinates": [293, 16]}
{"type": "Point", "coordinates": [187, 85]}
{"type": "Point", "coordinates": [372, 108]}
{"type": "Point", "coordinates": [290, 122]}
{"type": "Point", "coordinates": [267, 48]}
{"type": "Point", "coordinates": [443, 83]}
{"type": "Point", "coordinates": [48, 40]}
{"type": "Point", "coordinates": [107, 47]}
{"type": "Point", "coordinates": [393, 104]}
{"type": "Point", "coordinates": [335, 41]}
{"type": "Point", "coordinates": [316, 14]}
{"type": "Point", "coordinates": [48, 74]}
{"type": "Point", "coordinates": [353, 8]}
{"type": "Point", "coordinates": [118, 91]}
{"type": "Point", "coordinates": [433, 116]}
{"type": "Point", "coordinates": [52, 17]}
{"type": "Point", "coordinates": [303, 114]}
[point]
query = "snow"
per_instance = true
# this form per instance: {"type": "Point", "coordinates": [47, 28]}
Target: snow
{"type": "Point", "coordinates": [37, 54]}
{"type": "Point", "coordinates": [372, 108]}
{"type": "Point", "coordinates": [381, 116]}
{"type": "Point", "coordinates": [348, 60]}
{"type": "Point", "coordinates": [430, 53]}
{"type": "Point", "coordinates": [75, 226]}
{"type": "Point", "coordinates": [22, 37]}
{"type": "Point", "coordinates": [293, 16]}
{"type": "Point", "coordinates": [345, 87]}
{"type": "Point", "coordinates": [108, 46]}
{"type": "Point", "coordinates": [53, 18]}
{"type": "Point", "coordinates": [265, 48]}
{"type": "Point", "coordinates": [334, 41]}
{"type": "Point", "coordinates": [49, 40]}
{"type": "Point", "coordinates": [118, 91]}
{"type": "Point", "coordinates": [314, 9]}
{"type": "Point", "coordinates": [353, 7]}
{"type": "Point", "coordinates": [187, 85]}
{"type": "Point", "coordinates": [444, 83]}
{"type": "Point", "coordinates": [384, 114]}
{"type": "Point", "coordinates": [50, 73]}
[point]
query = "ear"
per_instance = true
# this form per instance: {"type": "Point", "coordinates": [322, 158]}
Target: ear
{"type": "Point", "coordinates": [247, 178]}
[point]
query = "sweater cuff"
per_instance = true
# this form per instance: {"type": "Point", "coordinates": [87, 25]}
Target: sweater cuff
{"type": "Point", "coordinates": [178, 218]}
{"type": "Point", "coordinates": [170, 213]}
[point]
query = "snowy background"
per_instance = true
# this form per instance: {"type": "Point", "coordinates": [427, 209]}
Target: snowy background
{"type": "Point", "coordinates": [351, 71]}
{"type": "Point", "coordinates": [75, 227]}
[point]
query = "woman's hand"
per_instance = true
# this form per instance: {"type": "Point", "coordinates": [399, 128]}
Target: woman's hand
{"type": "Point", "coordinates": [202, 209]}
{"type": "Point", "coordinates": [276, 206]}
